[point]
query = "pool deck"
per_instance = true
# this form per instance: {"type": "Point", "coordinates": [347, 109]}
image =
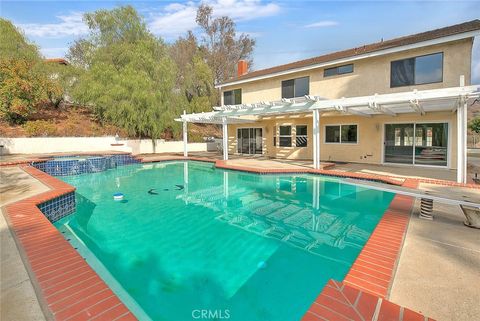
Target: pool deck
{"type": "Point", "coordinates": [390, 272]}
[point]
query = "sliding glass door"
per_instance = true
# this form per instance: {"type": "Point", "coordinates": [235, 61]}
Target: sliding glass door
{"type": "Point", "coordinates": [249, 140]}
{"type": "Point", "coordinates": [417, 144]}
{"type": "Point", "coordinates": [431, 142]}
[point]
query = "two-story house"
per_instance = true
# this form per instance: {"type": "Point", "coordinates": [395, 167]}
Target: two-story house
{"type": "Point", "coordinates": [399, 101]}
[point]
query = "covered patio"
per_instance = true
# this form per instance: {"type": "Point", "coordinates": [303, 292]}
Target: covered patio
{"type": "Point", "coordinates": [450, 100]}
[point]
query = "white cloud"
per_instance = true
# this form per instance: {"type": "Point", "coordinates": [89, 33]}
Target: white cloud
{"type": "Point", "coordinates": [322, 24]}
{"type": "Point", "coordinates": [69, 25]}
{"type": "Point", "coordinates": [178, 18]}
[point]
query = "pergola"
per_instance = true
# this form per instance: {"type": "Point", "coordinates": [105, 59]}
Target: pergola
{"type": "Point", "coordinates": [453, 99]}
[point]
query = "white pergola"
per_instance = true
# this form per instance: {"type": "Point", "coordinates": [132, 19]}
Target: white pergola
{"type": "Point", "coordinates": [453, 99]}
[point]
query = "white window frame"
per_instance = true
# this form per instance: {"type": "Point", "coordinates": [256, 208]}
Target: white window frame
{"type": "Point", "coordinates": [248, 127]}
{"type": "Point", "coordinates": [449, 149]}
{"type": "Point", "coordinates": [340, 142]}
{"type": "Point", "coordinates": [296, 135]}
{"type": "Point", "coordinates": [291, 136]}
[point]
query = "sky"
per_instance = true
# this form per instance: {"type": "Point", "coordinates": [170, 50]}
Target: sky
{"type": "Point", "coordinates": [285, 31]}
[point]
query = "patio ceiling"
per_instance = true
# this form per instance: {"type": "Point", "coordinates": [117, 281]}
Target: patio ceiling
{"type": "Point", "coordinates": [425, 101]}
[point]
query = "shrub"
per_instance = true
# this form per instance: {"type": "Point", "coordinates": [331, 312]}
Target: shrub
{"type": "Point", "coordinates": [40, 128]}
{"type": "Point", "coordinates": [195, 138]}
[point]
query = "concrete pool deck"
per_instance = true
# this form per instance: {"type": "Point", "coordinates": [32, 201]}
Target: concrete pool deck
{"type": "Point", "coordinates": [16, 286]}
{"type": "Point", "coordinates": [429, 257]}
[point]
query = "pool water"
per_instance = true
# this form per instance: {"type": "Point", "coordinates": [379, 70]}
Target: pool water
{"type": "Point", "coordinates": [190, 237]}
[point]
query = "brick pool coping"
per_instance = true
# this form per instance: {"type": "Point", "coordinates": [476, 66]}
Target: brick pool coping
{"type": "Point", "coordinates": [363, 293]}
{"type": "Point", "coordinates": [68, 288]}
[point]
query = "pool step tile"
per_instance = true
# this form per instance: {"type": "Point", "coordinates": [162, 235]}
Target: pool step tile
{"type": "Point", "coordinates": [339, 301]}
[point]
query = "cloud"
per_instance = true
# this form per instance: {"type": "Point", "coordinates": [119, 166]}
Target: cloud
{"type": "Point", "coordinates": [69, 25]}
{"type": "Point", "coordinates": [176, 18]}
{"type": "Point", "coordinates": [322, 24]}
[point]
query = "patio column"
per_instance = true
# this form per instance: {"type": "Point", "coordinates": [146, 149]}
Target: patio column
{"type": "Point", "coordinates": [225, 138]}
{"type": "Point", "coordinates": [185, 138]}
{"type": "Point", "coordinates": [462, 137]}
{"type": "Point", "coordinates": [316, 139]}
{"type": "Point", "coordinates": [462, 142]}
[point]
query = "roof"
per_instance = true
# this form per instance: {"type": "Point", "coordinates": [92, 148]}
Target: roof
{"type": "Point", "coordinates": [469, 26]}
{"type": "Point", "coordinates": [60, 61]}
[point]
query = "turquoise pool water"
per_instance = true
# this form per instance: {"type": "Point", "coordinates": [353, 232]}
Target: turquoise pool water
{"type": "Point", "coordinates": [189, 237]}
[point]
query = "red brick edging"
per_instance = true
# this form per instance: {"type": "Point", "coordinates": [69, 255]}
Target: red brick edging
{"type": "Point", "coordinates": [361, 295]}
{"type": "Point", "coordinates": [66, 286]}
{"type": "Point", "coordinates": [70, 289]}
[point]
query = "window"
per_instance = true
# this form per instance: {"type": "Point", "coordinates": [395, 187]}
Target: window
{"type": "Point", "coordinates": [349, 134]}
{"type": "Point", "coordinates": [416, 143]}
{"type": "Point", "coordinates": [416, 71]}
{"type": "Point", "coordinates": [301, 136]}
{"type": "Point", "coordinates": [285, 139]}
{"type": "Point", "coordinates": [342, 134]}
{"type": "Point", "coordinates": [340, 70]}
{"type": "Point", "coordinates": [232, 97]}
{"type": "Point", "coordinates": [298, 87]}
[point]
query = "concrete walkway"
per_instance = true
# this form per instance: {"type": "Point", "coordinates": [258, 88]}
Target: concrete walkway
{"type": "Point", "coordinates": [18, 299]}
{"type": "Point", "coordinates": [439, 268]}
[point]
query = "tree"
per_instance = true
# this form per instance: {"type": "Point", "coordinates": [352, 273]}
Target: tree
{"type": "Point", "coordinates": [21, 90]}
{"type": "Point", "coordinates": [125, 73]}
{"type": "Point", "coordinates": [194, 79]}
{"type": "Point", "coordinates": [475, 125]}
{"type": "Point", "coordinates": [224, 49]}
{"type": "Point", "coordinates": [14, 45]}
{"type": "Point", "coordinates": [25, 84]}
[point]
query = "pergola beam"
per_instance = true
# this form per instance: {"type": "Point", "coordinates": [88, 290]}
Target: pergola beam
{"type": "Point", "coordinates": [365, 106]}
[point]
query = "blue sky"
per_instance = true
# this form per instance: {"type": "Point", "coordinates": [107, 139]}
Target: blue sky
{"type": "Point", "coordinates": [285, 30]}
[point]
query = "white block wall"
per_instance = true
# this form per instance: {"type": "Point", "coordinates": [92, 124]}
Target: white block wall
{"type": "Point", "coordinates": [40, 145]}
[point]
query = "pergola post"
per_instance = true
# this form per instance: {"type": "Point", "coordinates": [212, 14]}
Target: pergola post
{"type": "Point", "coordinates": [462, 137]}
{"type": "Point", "coordinates": [185, 137]}
{"type": "Point", "coordinates": [225, 138]}
{"type": "Point", "coordinates": [316, 139]}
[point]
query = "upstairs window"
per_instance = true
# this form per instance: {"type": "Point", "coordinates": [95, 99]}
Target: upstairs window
{"type": "Point", "coordinates": [298, 87]}
{"type": "Point", "coordinates": [232, 97]}
{"type": "Point", "coordinates": [339, 70]}
{"type": "Point", "coordinates": [417, 70]}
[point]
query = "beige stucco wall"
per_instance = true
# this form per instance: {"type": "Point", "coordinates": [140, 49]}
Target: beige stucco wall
{"type": "Point", "coordinates": [370, 76]}
{"type": "Point", "coordinates": [369, 148]}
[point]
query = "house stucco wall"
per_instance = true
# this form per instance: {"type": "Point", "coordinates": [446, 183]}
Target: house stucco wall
{"type": "Point", "coordinates": [370, 76]}
{"type": "Point", "coordinates": [369, 148]}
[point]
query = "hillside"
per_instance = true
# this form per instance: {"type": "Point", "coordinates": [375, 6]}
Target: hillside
{"type": "Point", "coordinates": [79, 121]}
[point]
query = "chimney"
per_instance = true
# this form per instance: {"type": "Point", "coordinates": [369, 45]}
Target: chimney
{"type": "Point", "coordinates": [242, 68]}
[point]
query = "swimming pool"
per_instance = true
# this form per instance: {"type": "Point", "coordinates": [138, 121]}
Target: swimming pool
{"type": "Point", "coordinates": [189, 237]}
